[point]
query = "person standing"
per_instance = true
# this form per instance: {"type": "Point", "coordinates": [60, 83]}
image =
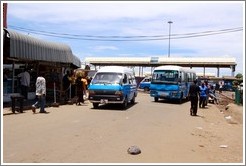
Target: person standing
{"type": "Point", "coordinates": [203, 95]}
{"type": "Point", "coordinates": [193, 96]}
{"type": "Point", "coordinates": [85, 86]}
{"type": "Point", "coordinates": [207, 92]}
{"type": "Point", "coordinates": [66, 85]}
{"type": "Point", "coordinates": [25, 83]}
{"type": "Point", "coordinates": [220, 86]}
{"type": "Point", "coordinates": [40, 94]}
{"type": "Point", "coordinates": [80, 90]}
{"type": "Point", "coordinates": [72, 80]}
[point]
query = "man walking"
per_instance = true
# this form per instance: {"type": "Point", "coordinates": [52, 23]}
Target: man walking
{"type": "Point", "coordinates": [193, 96]}
{"type": "Point", "coordinates": [25, 83]}
{"type": "Point", "coordinates": [40, 94]}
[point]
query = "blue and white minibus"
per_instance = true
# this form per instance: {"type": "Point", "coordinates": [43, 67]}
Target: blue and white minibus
{"type": "Point", "coordinates": [113, 85]}
{"type": "Point", "coordinates": [171, 82]}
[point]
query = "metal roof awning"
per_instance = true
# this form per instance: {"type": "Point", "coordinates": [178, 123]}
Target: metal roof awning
{"type": "Point", "coordinates": [26, 47]}
{"type": "Point", "coordinates": [76, 61]}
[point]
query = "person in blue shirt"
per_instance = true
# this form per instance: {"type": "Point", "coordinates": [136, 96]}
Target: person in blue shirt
{"type": "Point", "coordinates": [203, 95]}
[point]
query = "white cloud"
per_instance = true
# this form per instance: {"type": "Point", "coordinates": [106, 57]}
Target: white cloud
{"type": "Point", "coordinates": [100, 48]}
{"type": "Point", "coordinates": [135, 19]}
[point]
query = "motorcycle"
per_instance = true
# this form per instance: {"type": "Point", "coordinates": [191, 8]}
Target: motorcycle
{"type": "Point", "coordinates": [212, 97]}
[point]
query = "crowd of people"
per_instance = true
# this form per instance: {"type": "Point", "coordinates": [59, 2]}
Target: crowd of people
{"type": "Point", "coordinates": [75, 85]}
{"type": "Point", "coordinates": [199, 95]}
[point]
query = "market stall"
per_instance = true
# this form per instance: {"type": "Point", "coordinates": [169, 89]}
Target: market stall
{"type": "Point", "coordinates": [25, 52]}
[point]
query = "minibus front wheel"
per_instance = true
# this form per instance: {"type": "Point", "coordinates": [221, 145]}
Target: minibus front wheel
{"type": "Point", "coordinates": [133, 100]}
{"type": "Point", "coordinates": [181, 98]}
{"type": "Point", "coordinates": [95, 105]}
{"type": "Point", "coordinates": [146, 89]}
{"type": "Point", "coordinates": [156, 99]}
{"type": "Point", "coordinates": [125, 103]}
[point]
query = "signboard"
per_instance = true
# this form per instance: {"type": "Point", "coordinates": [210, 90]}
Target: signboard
{"type": "Point", "coordinates": [154, 59]}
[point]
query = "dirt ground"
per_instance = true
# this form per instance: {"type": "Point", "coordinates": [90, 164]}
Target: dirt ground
{"type": "Point", "coordinates": [103, 136]}
{"type": "Point", "coordinates": [225, 130]}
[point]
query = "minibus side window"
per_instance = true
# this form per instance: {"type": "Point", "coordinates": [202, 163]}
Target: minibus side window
{"type": "Point", "coordinates": [130, 79]}
{"type": "Point", "coordinates": [125, 79]}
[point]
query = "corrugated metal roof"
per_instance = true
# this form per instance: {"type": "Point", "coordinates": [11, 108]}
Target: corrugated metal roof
{"type": "Point", "coordinates": [29, 48]}
{"type": "Point", "coordinates": [76, 61]}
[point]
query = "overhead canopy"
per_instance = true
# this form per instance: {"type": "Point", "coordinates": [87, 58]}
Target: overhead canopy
{"type": "Point", "coordinates": [157, 61]}
{"type": "Point", "coordinates": [26, 47]}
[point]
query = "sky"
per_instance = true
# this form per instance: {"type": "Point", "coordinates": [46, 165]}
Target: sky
{"type": "Point", "coordinates": [107, 29]}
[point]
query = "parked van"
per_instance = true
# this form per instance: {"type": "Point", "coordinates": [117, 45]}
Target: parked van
{"type": "Point", "coordinates": [113, 84]}
{"type": "Point", "coordinates": [145, 84]}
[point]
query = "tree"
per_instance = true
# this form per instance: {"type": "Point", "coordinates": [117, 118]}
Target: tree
{"type": "Point", "coordinates": [239, 76]}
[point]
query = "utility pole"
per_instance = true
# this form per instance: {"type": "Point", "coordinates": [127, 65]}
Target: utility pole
{"type": "Point", "coordinates": [169, 22]}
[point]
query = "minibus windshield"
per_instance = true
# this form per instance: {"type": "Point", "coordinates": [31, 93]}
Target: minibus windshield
{"type": "Point", "coordinates": [107, 78]}
{"type": "Point", "coordinates": [171, 76]}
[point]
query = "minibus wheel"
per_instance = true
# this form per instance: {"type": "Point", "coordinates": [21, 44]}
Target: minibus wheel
{"type": "Point", "coordinates": [133, 100]}
{"type": "Point", "coordinates": [95, 105]}
{"type": "Point", "coordinates": [125, 103]}
{"type": "Point", "coordinates": [181, 99]}
{"type": "Point", "coordinates": [156, 99]}
{"type": "Point", "coordinates": [146, 89]}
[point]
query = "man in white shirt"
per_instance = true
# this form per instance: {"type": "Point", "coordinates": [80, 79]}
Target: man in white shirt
{"type": "Point", "coordinates": [41, 94]}
{"type": "Point", "coordinates": [25, 83]}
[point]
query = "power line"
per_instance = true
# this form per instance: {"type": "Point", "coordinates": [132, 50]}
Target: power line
{"type": "Point", "coordinates": [127, 38]}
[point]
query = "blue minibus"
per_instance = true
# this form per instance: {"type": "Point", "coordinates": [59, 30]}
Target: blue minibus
{"type": "Point", "coordinates": [145, 84]}
{"type": "Point", "coordinates": [171, 82]}
{"type": "Point", "coordinates": [113, 85]}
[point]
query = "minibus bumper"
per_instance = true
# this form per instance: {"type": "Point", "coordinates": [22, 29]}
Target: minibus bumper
{"type": "Point", "coordinates": [106, 100]}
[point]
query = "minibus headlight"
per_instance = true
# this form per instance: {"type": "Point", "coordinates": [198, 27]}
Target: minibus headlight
{"type": "Point", "coordinates": [174, 93]}
{"type": "Point", "coordinates": [119, 93]}
{"type": "Point", "coordinates": [91, 92]}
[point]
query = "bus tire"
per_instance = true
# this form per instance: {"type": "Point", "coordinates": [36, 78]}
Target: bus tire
{"type": "Point", "coordinates": [146, 89]}
{"type": "Point", "coordinates": [133, 100]}
{"type": "Point", "coordinates": [181, 98]}
{"type": "Point", "coordinates": [156, 99]}
{"type": "Point", "coordinates": [125, 103]}
{"type": "Point", "coordinates": [95, 105]}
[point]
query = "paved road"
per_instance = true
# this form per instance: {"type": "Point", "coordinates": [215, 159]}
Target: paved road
{"type": "Point", "coordinates": [164, 131]}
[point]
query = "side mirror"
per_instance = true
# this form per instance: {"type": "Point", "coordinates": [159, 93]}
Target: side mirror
{"type": "Point", "coordinates": [124, 80]}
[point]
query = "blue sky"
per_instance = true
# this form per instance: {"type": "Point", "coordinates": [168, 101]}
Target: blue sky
{"type": "Point", "coordinates": [131, 19]}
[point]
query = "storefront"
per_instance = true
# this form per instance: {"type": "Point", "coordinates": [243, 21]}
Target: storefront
{"type": "Point", "coordinates": [23, 51]}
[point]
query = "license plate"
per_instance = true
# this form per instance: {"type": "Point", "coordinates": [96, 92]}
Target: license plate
{"type": "Point", "coordinates": [163, 93]}
{"type": "Point", "coordinates": [103, 101]}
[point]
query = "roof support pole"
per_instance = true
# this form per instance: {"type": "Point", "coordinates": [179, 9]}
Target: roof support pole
{"type": "Point", "coordinates": [142, 71]}
{"type": "Point", "coordinates": [13, 77]}
{"type": "Point", "coordinates": [218, 71]}
{"type": "Point", "coordinates": [232, 70]}
{"type": "Point", "coordinates": [204, 71]}
{"type": "Point", "coordinates": [139, 70]}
